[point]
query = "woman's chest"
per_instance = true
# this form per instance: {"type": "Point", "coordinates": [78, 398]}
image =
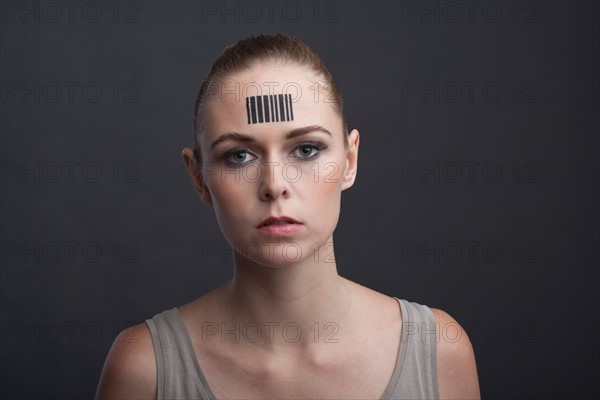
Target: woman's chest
{"type": "Point", "coordinates": [361, 370]}
{"type": "Point", "coordinates": [370, 385]}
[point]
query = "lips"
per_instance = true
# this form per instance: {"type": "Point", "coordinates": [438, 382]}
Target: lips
{"type": "Point", "coordinates": [278, 221]}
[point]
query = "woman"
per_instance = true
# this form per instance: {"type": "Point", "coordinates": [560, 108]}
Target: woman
{"type": "Point", "coordinates": [272, 156]}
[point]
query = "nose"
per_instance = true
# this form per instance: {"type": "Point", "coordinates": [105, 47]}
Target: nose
{"type": "Point", "coordinates": [273, 184]}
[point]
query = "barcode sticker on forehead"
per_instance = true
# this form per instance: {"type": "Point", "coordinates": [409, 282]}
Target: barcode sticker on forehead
{"type": "Point", "coordinates": [269, 108]}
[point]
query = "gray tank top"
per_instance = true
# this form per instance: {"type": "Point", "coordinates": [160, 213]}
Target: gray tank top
{"type": "Point", "coordinates": [179, 375]}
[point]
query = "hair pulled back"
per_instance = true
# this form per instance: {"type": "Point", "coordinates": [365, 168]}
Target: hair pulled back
{"type": "Point", "coordinates": [243, 54]}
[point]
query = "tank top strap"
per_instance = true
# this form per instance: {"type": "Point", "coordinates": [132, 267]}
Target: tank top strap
{"type": "Point", "coordinates": [417, 378]}
{"type": "Point", "coordinates": [178, 371]}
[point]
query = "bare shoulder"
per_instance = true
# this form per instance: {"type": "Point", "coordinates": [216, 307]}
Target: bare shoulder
{"type": "Point", "coordinates": [457, 370]}
{"type": "Point", "coordinates": [130, 368]}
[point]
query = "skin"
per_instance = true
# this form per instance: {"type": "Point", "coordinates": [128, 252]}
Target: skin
{"type": "Point", "coordinates": [288, 276]}
{"type": "Point", "coordinates": [271, 285]}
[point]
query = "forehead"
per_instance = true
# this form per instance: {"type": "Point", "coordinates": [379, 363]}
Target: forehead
{"type": "Point", "coordinates": [270, 97]}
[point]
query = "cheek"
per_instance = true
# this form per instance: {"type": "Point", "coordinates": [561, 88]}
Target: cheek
{"type": "Point", "coordinates": [321, 188]}
{"type": "Point", "coordinates": [331, 172]}
{"type": "Point", "coordinates": [227, 181]}
{"type": "Point", "coordinates": [229, 194]}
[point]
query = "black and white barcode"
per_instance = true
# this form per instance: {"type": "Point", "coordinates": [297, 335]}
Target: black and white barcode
{"type": "Point", "coordinates": [269, 108]}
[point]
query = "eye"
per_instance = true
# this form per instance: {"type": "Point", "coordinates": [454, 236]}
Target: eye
{"type": "Point", "coordinates": [306, 149]}
{"type": "Point", "coordinates": [236, 156]}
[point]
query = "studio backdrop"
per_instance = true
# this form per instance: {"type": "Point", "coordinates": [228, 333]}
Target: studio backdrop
{"type": "Point", "coordinates": [476, 192]}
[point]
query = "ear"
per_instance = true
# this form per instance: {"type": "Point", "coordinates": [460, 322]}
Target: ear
{"type": "Point", "coordinates": [194, 169]}
{"type": "Point", "coordinates": [351, 160]}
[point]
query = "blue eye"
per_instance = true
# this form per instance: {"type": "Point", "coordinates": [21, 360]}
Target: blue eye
{"type": "Point", "coordinates": [310, 146]}
{"type": "Point", "coordinates": [233, 153]}
{"type": "Point", "coordinates": [308, 151]}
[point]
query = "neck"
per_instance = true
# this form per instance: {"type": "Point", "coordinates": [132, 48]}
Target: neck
{"type": "Point", "coordinates": [305, 295]}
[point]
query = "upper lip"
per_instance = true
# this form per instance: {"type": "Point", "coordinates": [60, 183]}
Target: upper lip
{"type": "Point", "coordinates": [272, 220]}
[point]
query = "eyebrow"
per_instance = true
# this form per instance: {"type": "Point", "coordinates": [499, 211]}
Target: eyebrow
{"type": "Point", "coordinates": [242, 137]}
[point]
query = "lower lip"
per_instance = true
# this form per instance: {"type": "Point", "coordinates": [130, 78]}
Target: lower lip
{"type": "Point", "coordinates": [280, 229]}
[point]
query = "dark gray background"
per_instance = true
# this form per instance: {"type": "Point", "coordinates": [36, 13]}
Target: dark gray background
{"type": "Point", "coordinates": [531, 310]}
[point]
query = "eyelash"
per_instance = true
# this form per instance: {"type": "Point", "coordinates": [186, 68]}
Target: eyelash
{"type": "Point", "coordinates": [314, 145]}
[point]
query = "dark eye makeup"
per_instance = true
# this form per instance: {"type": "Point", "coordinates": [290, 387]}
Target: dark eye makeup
{"type": "Point", "coordinates": [314, 147]}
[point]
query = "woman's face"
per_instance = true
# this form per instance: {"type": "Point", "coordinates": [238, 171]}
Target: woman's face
{"type": "Point", "coordinates": [260, 173]}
